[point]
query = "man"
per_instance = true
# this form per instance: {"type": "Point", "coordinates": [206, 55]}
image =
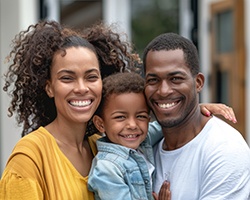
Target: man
{"type": "Point", "coordinates": [202, 157]}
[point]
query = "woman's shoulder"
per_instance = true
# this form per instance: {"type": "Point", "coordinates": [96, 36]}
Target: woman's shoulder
{"type": "Point", "coordinates": [92, 142]}
{"type": "Point", "coordinates": [30, 152]}
{"type": "Point", "coordinates": [33, 142]}
{"type": "Point", "coordinates": [39, 135]}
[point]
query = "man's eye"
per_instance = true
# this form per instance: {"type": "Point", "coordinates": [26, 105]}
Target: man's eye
{"type": "Point", "coordinates": [177, 78]}
{"type": "Point", "coordinates": [151, 80]}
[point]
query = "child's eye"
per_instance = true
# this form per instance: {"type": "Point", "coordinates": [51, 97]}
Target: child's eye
{"type": "Point", "coordinates": [142, 116]}
{"type": "Point", "coordinates": [119, 117]}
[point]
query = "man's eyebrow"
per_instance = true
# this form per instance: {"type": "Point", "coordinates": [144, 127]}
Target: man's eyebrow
{"type": "Point", "coordinates": [168, 74]}
{"type": "Point", "coordinates": [151, 74]}
{"type": "Point", "coordinates": [176, 73]}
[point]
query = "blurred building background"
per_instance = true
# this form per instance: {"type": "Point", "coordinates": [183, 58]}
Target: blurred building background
{"type": "Point", "coordinates": [218, 28]}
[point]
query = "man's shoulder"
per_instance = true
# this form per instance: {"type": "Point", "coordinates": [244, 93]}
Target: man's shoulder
{"type": "Point", "coordinates": [222, 137]}
{"type": "Point", "coordinates": [216, 124]}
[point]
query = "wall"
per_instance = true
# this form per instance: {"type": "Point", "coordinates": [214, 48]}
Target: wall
{"type": "Point", "coordinates": [204, 46]}
{"type": "Point", "coordinates": [14, 16]}
{"type": "Point", "coordinates": [247, 39]}
{"type": "Point", "coordinates": [118, 11]}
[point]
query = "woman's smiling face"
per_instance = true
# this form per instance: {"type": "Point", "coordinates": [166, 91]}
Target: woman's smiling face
{"type": "Point", "coordinates": [75, 84]}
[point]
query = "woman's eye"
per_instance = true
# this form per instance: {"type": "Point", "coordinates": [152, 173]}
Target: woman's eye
{"type": "Point", "coordinates": [93, 77]}
{"type": "Point", "coordinates": [66, 78]}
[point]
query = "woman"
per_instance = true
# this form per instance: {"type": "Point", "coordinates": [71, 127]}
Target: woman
{"type": "Point", "coordinates": [57, 88]}
{"type": "Point", "coordinates": [56, 73]}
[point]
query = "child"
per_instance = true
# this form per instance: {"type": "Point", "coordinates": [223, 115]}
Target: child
{"type": "Point", "coordinates": [124, 164]}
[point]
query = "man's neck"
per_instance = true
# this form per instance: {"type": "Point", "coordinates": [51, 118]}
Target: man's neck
{"type": "Point", "coordinates": [178, 136]}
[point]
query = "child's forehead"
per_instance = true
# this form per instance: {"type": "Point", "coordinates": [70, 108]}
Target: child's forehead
{"type": "Point", "coordinates": [124, 94]}
{"type": "Point", "coordinates": [126, 98]}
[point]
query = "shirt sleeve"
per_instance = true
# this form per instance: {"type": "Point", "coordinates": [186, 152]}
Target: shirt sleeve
{"type": "Point", "coordinates": [107, 182]}
{"type": "Point", "coordinates": [15, 187]}
{"type": "Point", "coordinates": [17, 182]}
{"type": "Point", "coordinates": [227, 173]}
{"type": "Point", "coordinates": [154, 132]}
{"type": "Point", "coordinates": [92, 142]}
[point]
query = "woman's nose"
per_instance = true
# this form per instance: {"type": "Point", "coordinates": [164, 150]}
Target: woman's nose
{"type": "Point", "coordinates": [81, 87]}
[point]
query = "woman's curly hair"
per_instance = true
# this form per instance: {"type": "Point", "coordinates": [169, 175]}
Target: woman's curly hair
{"type": "Point", "coordinates": [30, 62]}
{"type": "Point", "coordinates": [115, 53]}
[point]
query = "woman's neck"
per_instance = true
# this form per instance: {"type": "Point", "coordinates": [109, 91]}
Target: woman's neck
{"type": "Point", "coordinates": [67, 133]}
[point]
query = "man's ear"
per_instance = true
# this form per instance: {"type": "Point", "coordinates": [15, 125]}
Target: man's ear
{"type": "Point", "coordinates": [48, 89]}
{"type": "Point", "coordinates": [199, 81]}
{"type": "Point", "coordinates": [99, 124]}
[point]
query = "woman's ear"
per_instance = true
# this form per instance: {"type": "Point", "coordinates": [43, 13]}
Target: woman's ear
{"type": "Point", "coordinates": [48, 89]}
{"type": "Point", "coordinates": [99, 124]}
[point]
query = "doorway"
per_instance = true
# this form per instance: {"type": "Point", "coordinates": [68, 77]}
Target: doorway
{"type": "Point", "coordinates": [227, 78]}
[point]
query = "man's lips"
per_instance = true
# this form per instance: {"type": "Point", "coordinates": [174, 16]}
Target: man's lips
{"type": "Point", "coordinates": [166, 105]}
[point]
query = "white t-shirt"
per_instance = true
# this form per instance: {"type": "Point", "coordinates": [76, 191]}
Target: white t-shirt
{"type": "Point", "coordinates": [214, 165]}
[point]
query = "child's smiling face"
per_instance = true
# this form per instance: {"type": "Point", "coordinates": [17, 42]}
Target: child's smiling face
{"type": "Point", "coordinates": [125, 119]}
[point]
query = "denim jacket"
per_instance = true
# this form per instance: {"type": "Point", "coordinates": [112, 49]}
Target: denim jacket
{"type": "Point", "coordinates": [121, 173]}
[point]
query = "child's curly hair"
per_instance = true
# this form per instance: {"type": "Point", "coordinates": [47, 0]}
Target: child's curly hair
{"type": "Point", "coordinates": [120, 83]}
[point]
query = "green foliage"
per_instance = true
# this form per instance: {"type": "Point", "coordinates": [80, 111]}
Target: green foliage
{"type": "Point", "coordinates": [148, 21]}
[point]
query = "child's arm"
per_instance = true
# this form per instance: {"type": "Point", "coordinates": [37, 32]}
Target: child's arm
{"type": "Point", "coordinates": [227, 112]}
{"type": "Point", "coordinates": [154, 132]}
{"type": "Point", "coordinates": [107, 181]}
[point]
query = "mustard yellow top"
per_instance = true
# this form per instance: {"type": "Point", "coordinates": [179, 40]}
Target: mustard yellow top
{"type": "Point", "coordinates": [37, 169]}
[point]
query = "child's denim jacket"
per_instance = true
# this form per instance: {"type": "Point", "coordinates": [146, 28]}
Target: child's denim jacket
{"type": "Point", "coordinates": [121, 173]}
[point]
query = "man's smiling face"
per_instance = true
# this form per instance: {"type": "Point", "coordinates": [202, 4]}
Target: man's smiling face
{"type": "Point", "coordinates": [170, 86]}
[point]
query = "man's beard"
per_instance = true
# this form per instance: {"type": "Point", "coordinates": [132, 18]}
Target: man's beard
{"type": "Point", "coordinates": [169, 123]}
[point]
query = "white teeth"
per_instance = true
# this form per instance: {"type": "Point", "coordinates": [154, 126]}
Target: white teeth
{"type": "Point", "coordinates": [80, 103]}
{"type": "Point", "coordinates": [130, 136]}
{"type": "Point", "coordinates": [168, 105]}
